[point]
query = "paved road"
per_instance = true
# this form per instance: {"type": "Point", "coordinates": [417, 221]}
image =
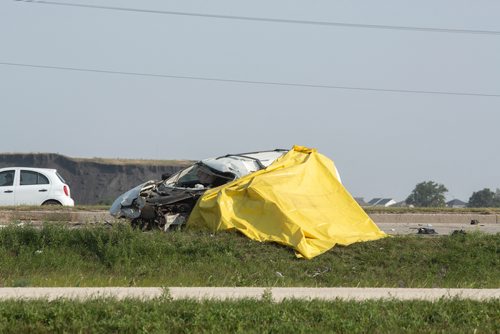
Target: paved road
{"type": "Point", "coordinates": [439, 228]}
{"type": "Point", "coordinates": [394, 224]}
{"type": "Point", "coordinates": [389, 228]}
{"type": "Point", "coordinates": [277, 294]}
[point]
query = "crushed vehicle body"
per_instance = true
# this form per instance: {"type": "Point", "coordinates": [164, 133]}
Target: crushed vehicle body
{"type": "Point", "coordinates": [168, 202]}
{"type": "Point", "coordinates": [291, 197]}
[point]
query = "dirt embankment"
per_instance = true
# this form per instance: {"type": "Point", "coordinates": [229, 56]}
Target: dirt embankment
{"type": "Point", "coordinates": [95, 181]}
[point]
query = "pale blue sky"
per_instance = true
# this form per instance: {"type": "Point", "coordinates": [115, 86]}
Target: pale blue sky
{"type": "Point", "coordinates": [383, 143]}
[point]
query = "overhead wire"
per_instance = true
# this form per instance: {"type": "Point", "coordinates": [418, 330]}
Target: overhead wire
{"type": "Point", "coordinates": [269, 20]}
{"type": "Point", "coordinates": [247, 18]}
{"type": "Point", "coordinates": [252, 82]}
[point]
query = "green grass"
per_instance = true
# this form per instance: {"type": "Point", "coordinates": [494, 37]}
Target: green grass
{"type": "Point", "coordinates": [121, 256]}
{"type": "Point", "coordinates": [249, 316]}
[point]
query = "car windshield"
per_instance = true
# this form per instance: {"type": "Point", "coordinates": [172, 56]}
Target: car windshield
{"type": "Point", "coordinates": [198, 176]}
{"type": "Point", "coordinates": [186, 178]}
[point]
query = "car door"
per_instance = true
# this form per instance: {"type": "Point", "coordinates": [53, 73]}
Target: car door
{"type": "Point", "coordinates": [7, 193]}
{"type": "Point", "coordinates": [33, 189]}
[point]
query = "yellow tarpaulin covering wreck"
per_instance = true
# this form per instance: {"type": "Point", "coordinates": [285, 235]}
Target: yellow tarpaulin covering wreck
{"type": "Point", "coordinates": [297, 201]}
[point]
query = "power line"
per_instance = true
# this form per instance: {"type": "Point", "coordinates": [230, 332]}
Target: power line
{"type": "Point", "coordinates": [273, 20]}
{"type": "Point", "coordinates": [269, 83]}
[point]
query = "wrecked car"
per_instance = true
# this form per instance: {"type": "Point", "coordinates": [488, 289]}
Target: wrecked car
{"type": "Point", "coordinates": [168, 202]}
{"type": "Point", "coordinates": [293, 197]}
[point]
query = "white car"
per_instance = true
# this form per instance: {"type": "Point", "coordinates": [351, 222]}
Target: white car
{"type": "Point", "coordinates": [33, 186]}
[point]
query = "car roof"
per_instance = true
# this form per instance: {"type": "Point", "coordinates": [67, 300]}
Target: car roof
{"type": "Point", "coordinates": [241, 164]}
{"type": "Point", "coordinates": [258, 156]}
{"type": "Point", "coordinates": [35, 169]}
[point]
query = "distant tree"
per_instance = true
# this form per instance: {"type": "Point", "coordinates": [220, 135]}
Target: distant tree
{"type": "Point", "coordinates": [484, 199]}
{"type": "Point", "coordinates": [427, 194]}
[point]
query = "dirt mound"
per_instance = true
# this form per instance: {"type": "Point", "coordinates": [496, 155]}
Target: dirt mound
{"type": "Point", "coordinates": [95, 181]}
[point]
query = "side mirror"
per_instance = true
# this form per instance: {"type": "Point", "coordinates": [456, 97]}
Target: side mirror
{"type": "Point", "coordinates": [165, 176]}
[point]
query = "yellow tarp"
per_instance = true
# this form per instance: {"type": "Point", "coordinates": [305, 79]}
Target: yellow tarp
{"type": "Point", "coordinates": [296, 201]}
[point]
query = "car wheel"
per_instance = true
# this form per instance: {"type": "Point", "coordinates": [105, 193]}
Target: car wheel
{"type": "Point", "coordinates": [51, 202]}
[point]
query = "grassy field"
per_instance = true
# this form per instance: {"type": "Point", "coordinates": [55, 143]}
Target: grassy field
{"type": "Point", "coordinates": [249, 316]}
{"type": "Point", "coordinates": [121, 256]}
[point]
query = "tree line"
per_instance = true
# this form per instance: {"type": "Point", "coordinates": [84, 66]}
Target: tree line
{"type": "Point", "coordinates": [431, 194]}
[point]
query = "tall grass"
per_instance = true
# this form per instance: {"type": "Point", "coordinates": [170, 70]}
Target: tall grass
{"type": "Point", "coordinates": [121, 256]}
{"type": "Point", "coordinates": [249, 316]}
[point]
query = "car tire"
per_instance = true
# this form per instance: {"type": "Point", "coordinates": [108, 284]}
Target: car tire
{"type": "Point", "coordinates": [51, 202]}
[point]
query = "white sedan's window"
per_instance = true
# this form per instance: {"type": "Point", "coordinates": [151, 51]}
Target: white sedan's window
{"type": "Point", "coordinates": [31, 178]}
{"type": "Point", "coordinates": [7, 178]}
